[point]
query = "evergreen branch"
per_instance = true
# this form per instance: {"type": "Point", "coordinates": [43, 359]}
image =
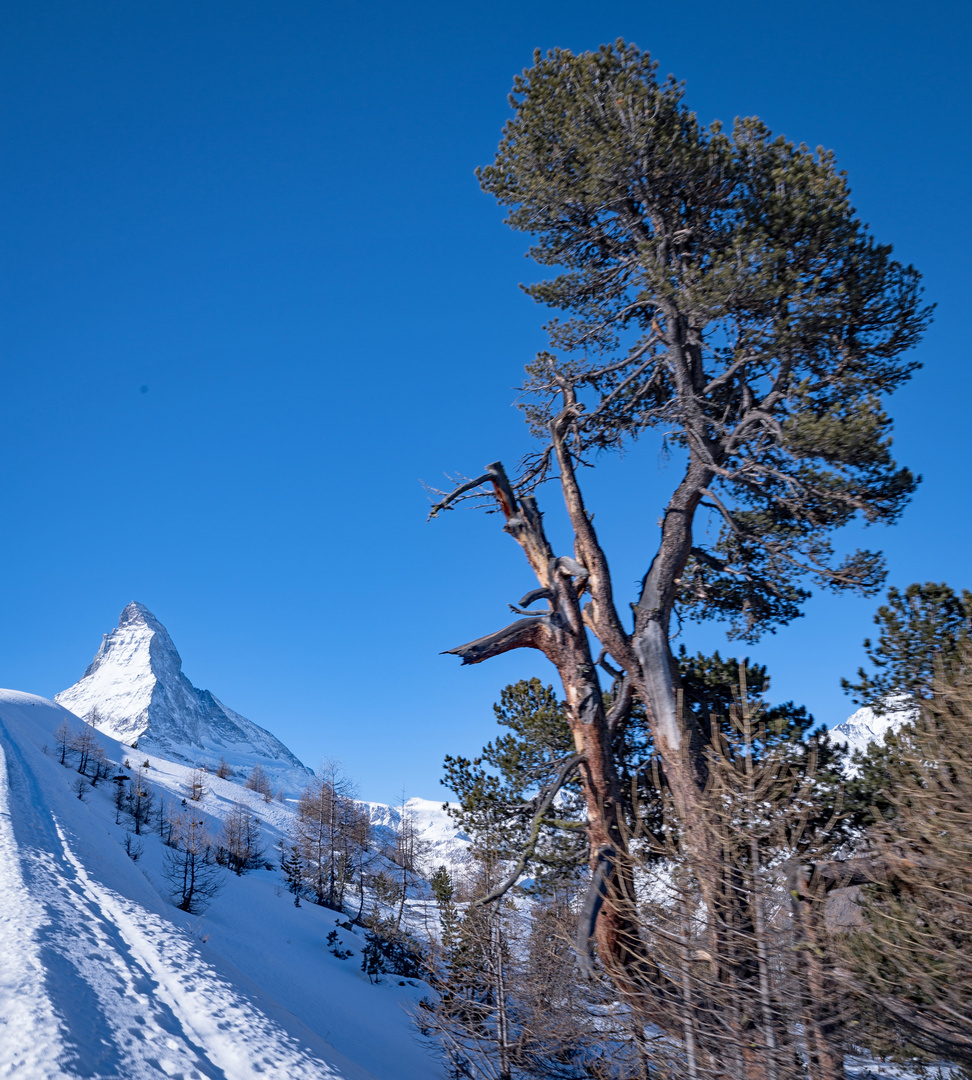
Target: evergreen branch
{"type": "Point", "coordinates": [546, 800]}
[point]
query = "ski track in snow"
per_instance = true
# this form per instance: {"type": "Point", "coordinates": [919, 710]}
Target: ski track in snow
{"type": "Point", "coordinates": [29, 1029]}
{"type": "Point", "coordinates": [94, 985]}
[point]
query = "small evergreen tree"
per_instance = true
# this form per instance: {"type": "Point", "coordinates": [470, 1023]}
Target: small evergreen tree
{"type": "Point", "coordinates": [372, 956]}
{"type": "Point", "coordinates": [293, 871]}
{"type": "Point", "coordinates": [390, 950]}
{"type": "Point", "coordinates": [119, 795]}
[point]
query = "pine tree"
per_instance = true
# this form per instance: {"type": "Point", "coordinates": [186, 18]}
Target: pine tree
{"type": "Point", "coordinates": [716, 289]}
{"type": "Point", "coordinates": [505, 784]}
{"type": "Point", "coordinates": [293, 871]}
{"type": "Point", "coordinates": [923, 628]}
{"type": "Point", "coordinates": [500, 791]}
{"type": "Point", "coordinates": [372, 956]}
{"type": "Point", "coordinates": [119, 795]}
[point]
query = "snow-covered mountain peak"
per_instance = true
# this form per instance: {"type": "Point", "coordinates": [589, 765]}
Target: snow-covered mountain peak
{"type": "Point", "coordinates": [139, 613]}
{"type": "Point", "coordinates": [135, 691]}
{"type": "Point", "coordinates": [439, 839]}
{"type": "Point", "coordinates": [869, 725]}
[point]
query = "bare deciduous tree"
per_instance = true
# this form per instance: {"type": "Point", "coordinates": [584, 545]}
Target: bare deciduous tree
{"type": "Point", "coordinates": [189, 865]}
{"type": "Point", "coordinates": [259, 782]}
{"type": "Point", "coordinates": [239, 845]}
{"type": "Point", "coordinates": [195, 785]}
{"type": "Point", "coordinates": [139, 801]}
{"type": "Point", "coordinates": [63, 738]}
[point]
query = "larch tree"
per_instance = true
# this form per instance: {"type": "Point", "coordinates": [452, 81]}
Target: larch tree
{"type": "Point", "coordinates": [195, 785]}
{"type": "Point", "coordinates": [239, 846]}
{"type": "Point", "coordinates": [64, 738]}
{"type": "Point", "coordinates": [259, 782]}
{"type": "Point", "coordinates": [715, 288]}
{"type": "Point", "coordinates": [188, 863]}
{"type": "Point", "coordinates": [139, 800]}
{"type": "Point", "coordinates": [83, 744]}
{"type": "Point", "coordinates": [326, 828]}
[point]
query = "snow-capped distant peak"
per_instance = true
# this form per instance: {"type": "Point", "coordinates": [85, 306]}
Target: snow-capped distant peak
{"type": "Point", "coordinates": [441, 842]}
{"type": "Point", "coordinates": [868, 725]}
{"type": "Point", "coordinates": [135, 691]}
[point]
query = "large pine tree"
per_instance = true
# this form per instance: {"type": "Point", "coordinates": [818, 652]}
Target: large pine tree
{"type": "Point", "coordinates": [716, 288]}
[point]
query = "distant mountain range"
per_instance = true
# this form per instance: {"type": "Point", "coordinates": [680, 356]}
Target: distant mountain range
{"type": "Point", "coordinates": [135, 691]}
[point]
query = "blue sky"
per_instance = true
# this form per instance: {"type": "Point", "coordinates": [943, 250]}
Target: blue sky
{"type": "Point", "coordinates": [252, 295]}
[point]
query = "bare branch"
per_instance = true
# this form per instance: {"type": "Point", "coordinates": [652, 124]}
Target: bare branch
{"type": "Point", "coordinates": [621, 706]}
{"type": "Point", "coordinates": [469, 485]}
{"type": "Point", "coordinates": [593, 903]}
{"type": "Point", "coordinates": [523, 634]}
{"type": "Point", "coordinates": [533, 596]}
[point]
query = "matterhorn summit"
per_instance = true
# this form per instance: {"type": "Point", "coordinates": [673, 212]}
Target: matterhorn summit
{"type": "Point", "coordinates": [134, 691]}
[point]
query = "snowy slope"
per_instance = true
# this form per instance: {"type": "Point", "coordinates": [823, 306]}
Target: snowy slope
{"type": "Point", "coordinates": [100, 976]}
{"type": "Point", "coordinates": [135, 691]}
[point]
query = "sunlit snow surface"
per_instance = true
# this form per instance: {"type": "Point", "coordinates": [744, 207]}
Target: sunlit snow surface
{"type": "Point", "coordinates": [100, 976]}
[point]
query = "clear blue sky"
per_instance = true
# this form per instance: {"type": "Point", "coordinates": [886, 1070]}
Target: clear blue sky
{"type": "Point", "coordinates": [252, 294]}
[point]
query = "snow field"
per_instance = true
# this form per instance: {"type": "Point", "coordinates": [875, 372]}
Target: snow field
{"type": "Point", "coordinates": [100, 976]}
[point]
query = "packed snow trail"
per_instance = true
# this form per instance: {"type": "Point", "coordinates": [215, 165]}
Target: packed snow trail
{"type": "Point", "coordinates": [30, 1034]}
{"type": "Point", "coordinates": [93, 984]}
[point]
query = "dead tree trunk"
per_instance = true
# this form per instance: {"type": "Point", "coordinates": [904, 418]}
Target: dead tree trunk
{"type": "Point", "coordinates": [645, 667]}
{"type": "Point", "coordinates": [559, 632]}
